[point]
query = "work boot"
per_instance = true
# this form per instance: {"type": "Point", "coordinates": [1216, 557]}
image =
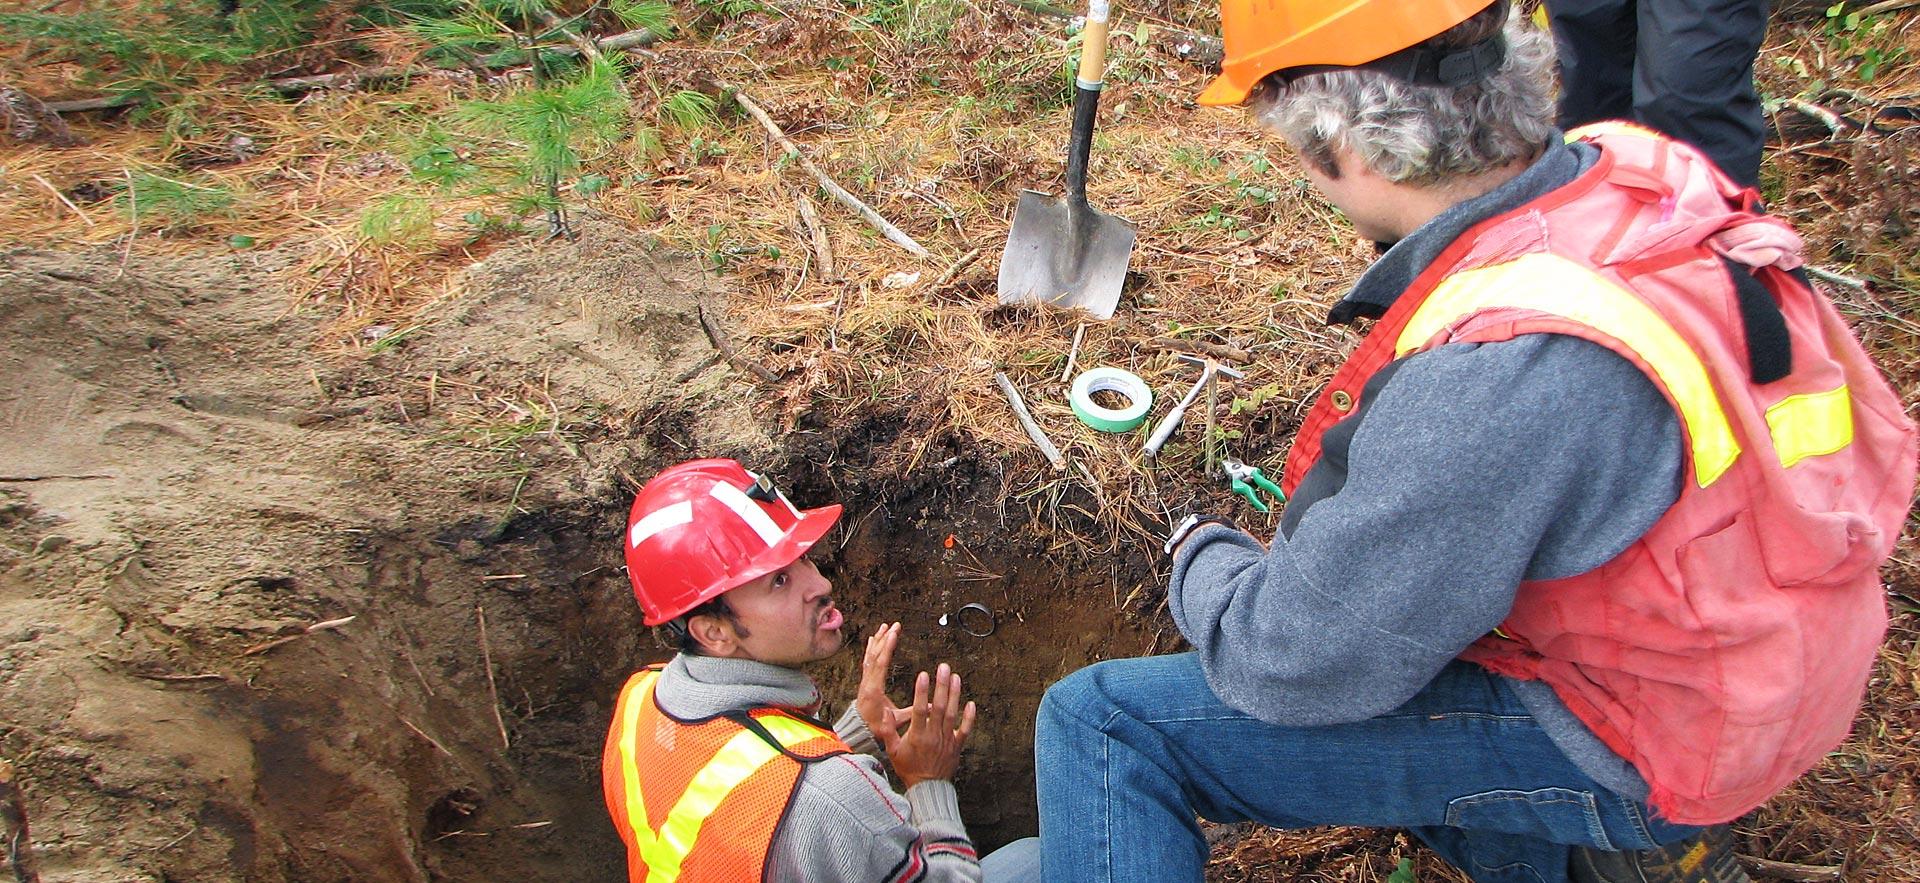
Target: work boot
{"type": "Point", "coordinates": [1706, 857]}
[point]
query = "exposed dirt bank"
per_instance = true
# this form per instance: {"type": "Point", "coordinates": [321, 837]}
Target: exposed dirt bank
{"type": "Point", "coordinates": [187, 488]}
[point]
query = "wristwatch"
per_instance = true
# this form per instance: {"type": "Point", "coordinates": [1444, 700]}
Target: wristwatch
{"type": "Point", "coordinates": [1192, 523]}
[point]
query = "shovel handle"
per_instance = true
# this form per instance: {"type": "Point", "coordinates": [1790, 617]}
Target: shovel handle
{"type": "Point", "coordinates": [1086, 98]}
{"type": "Point", "coordinates": [1093, 46]}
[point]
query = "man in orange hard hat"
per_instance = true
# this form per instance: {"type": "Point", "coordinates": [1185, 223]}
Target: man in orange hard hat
{"type": "Point", "coordinates": [715, 768]}
{"type": "Point", "coordinates": [1581, 556]}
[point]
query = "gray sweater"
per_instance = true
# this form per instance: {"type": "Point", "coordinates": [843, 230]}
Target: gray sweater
{"type": "Point", "coordinates": [1469, 469]}
{"type": "Point", "coordinates": [845, 822]}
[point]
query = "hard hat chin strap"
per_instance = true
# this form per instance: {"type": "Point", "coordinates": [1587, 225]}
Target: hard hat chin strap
{"type": "Point", "coordinates": [1453, 66]}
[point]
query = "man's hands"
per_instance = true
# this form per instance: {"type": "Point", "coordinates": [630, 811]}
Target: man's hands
{"type": "Point", "coordinates": [923, 740]}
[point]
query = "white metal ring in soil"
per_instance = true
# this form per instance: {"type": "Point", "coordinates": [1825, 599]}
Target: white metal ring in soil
{"type": "Point", "coordinates": [1126, 383]}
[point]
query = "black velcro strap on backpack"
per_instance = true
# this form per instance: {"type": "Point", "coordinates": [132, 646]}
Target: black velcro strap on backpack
{"type": "Point", "coordinates": [1769, 350]}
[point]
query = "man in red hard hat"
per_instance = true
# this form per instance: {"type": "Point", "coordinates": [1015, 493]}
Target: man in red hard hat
{"type": "Point", "coordinates": [716, 768]}
{"type": "Point", "coordinates": [1580, 560]}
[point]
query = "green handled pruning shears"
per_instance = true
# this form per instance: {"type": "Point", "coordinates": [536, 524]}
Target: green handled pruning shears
{"type": "Point", "coordinates": [1247, 482]}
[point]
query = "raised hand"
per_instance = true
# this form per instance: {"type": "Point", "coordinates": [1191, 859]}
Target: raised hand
{"type": "Point", "coordinates": [882, 717]}
{"type": "Point", "coordinates": [937, 728]}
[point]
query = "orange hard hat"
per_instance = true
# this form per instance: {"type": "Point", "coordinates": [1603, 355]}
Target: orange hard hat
{"type": "Point", "coordinates": [701, 528]}
{"type": "Point", "coordinates": [1263, 36]}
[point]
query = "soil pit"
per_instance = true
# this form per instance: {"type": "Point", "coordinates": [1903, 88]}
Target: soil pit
{"type": "Point", "coordinates": [194, 503]}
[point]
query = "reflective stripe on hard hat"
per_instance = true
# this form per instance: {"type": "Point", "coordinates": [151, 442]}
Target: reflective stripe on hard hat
{"type": "Point", "coordinates": [664, 848]}
{"type": "Point", "coordinates": [672, 516]}
{"type": "Point", "coordinates": [729, 528]}
{"type": "Point", "coordinates": [749, 512]}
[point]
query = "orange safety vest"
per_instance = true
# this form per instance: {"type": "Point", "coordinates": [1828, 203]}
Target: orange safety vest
{"type": "Point", "coordinates": [699, 800]}
{"type": "Point", "coordinates": [1727, 650]}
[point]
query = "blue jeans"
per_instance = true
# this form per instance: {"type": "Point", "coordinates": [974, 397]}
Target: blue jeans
{"type": "Point", "coordinates": [1016, 862]}
{"type": "Point", "coordinates": [1129, 751]}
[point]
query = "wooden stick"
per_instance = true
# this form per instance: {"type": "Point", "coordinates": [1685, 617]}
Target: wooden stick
{"type": "Point", "coordinates": [1026, 421]}
{"type": "Point", "coordinates": [1888, 6]}
{"type": "Point", "coordinates": [822, 247]}
{"type": "Point", "coordinates": [1835, 122]}
{"type": "Point", "coordinates": [840, 193]}
{"type": "Point", "coordinates": [1790, 871]}
{"type": "Point", "coordinates": [1836, 278]}
{"type": "Point", "coordinates": [961, 264]}
{"type": "Point", "coordinates": [719, 340]}
{"type": "Point", "coordinates": [1074, 352]}
{"type": "Point", "coordinates": [493, 690]}
{"type": "Point", "coordinates": [13, 810]}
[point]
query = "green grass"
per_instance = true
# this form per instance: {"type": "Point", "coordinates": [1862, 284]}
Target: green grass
{"type": "Point", "coordinates": [398, 218]}
{"type": "Point", "coordinates": [172, 202]}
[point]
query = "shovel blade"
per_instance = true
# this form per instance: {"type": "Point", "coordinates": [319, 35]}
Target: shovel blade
{"type": "Point", "coordinates": [1054, 257]}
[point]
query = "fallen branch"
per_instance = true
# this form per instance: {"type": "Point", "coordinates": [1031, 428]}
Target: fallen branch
{"type": "Point", "coordinates": [817, 234]}
{"type": "Point", "coordinates": [634, 39]}
{"type": "Point", "coordinates": [1833, 120]}
{"type": "Point", "coordinates": [1790, 871]}
{"type": "Point", "coordinates": [1040, 439]}
{"type": "Point", "coordinates": [1073, 353]}
{"type": "Point", "coordinates": [1203, 348]}
{"type": "Point", "coordinates": [493, 691]}
{"type": "Point", "coordinates": [13, 810]}
{"type": "Point", "coordinates": [1836, 278]}
{"type": "Point", "coordinates": [1887, 6]}
{"type": "Point", "coordinates": [961, 264]}
{"type": "Point", "coordinates": [866, 212]}
{"type": "Point", "coordinates": [719, 341]}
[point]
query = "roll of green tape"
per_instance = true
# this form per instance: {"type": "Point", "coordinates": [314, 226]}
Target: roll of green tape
{"type": "Point", "coordinates": [1128, 384]}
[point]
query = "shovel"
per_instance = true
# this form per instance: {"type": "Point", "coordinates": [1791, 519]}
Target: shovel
{"type": "Point", "coordinates": [1061, 250]}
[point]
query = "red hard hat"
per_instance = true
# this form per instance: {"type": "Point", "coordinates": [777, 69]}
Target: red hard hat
{"type": "Point", "coordinates": [701, 528]}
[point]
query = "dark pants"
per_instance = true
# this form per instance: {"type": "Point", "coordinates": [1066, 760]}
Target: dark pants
{"type": "Point", "coordinates": [1684, 67]}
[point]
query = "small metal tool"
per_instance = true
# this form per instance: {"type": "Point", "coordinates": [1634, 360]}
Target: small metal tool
{"type": "Point", "coordinates": [1164, 429]}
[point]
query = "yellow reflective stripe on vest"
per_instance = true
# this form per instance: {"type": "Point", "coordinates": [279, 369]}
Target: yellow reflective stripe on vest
{"type": "Point", "coordinates": [1811, 424]}
{"type": "Point", "coordinates": [1544, 283]}
{"type": "Point", "coordinates": [665, 849]}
